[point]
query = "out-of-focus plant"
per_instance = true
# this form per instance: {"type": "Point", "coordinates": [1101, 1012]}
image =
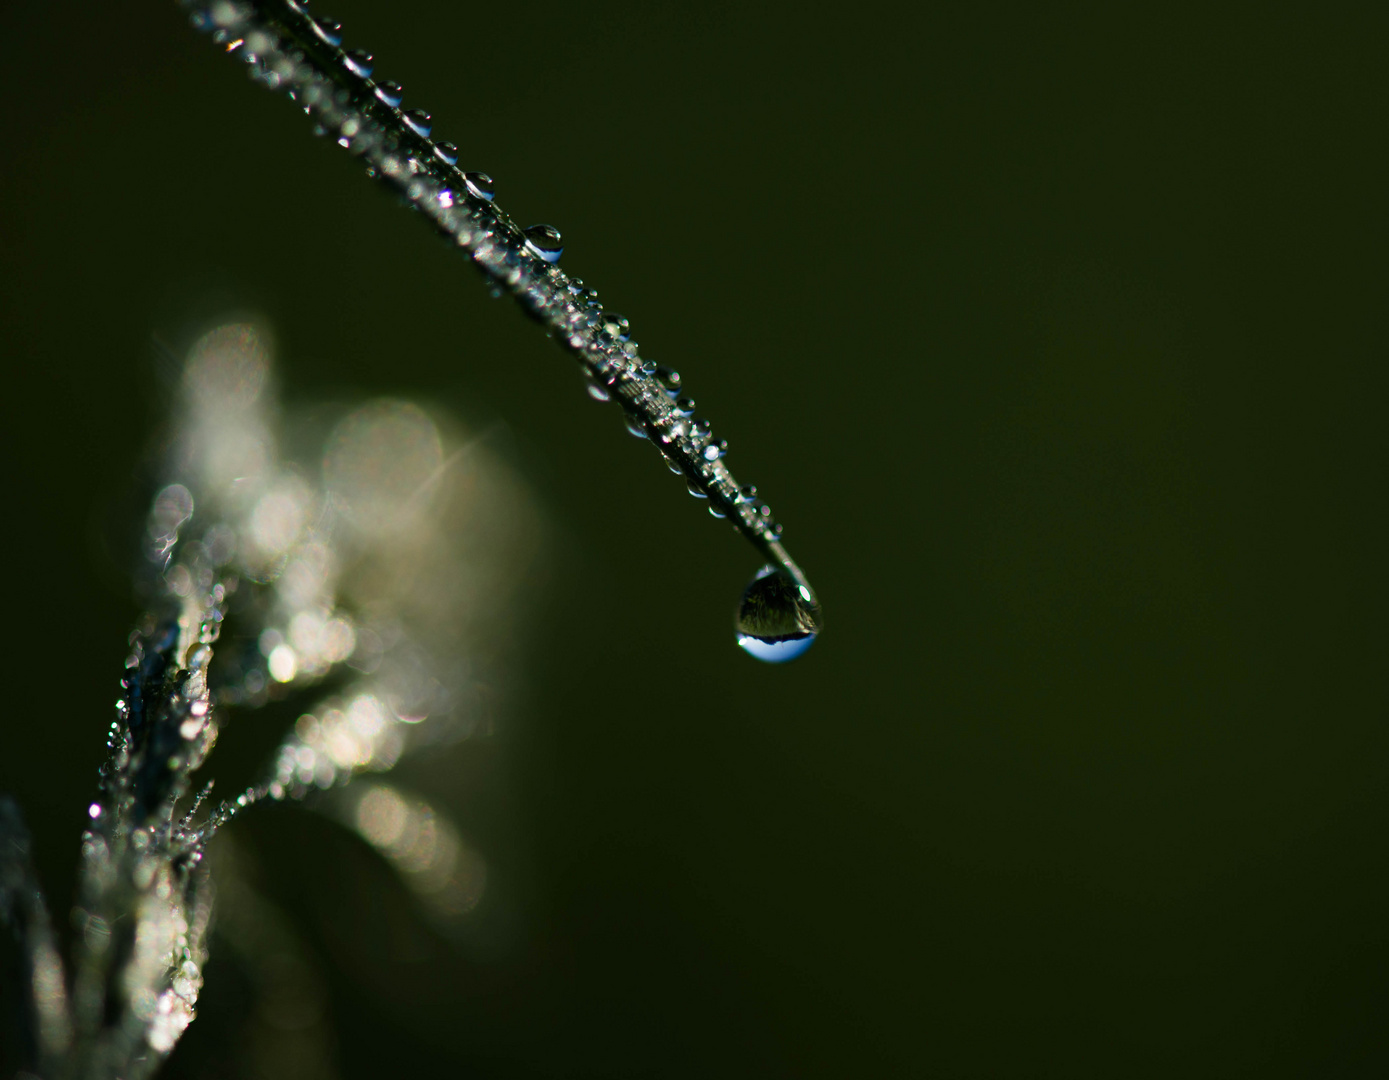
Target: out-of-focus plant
{"type": "Point", "coordinates": [377, 564]}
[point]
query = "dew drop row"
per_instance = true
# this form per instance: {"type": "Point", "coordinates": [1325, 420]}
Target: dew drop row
{"type": "Point", "coordinates": [300, 53]}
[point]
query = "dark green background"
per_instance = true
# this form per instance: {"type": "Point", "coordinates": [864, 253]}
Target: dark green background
{"type": "Point", "coordinates": [1056, 339]}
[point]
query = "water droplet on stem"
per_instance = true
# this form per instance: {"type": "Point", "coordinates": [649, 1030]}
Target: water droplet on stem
{"type": "Point", "coordinates": [544, 241]}
{"type": "Point", "coordinates": [359, 62]}
{"type": "Point", "coordinates": [481, 185]}
{"type": "Point", "coordinates": [329, 30]}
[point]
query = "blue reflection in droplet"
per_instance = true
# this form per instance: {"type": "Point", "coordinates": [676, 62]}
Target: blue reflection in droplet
{"type": "Point", "coordinates": [359, 62]}
{"type": "Point", "coordinates": [775, 652]}
{"type": "Point", "coordinates": [329, 30]}
{"type": "Point", "coordinates": [544, 240]}
{"type": "Point", "coordinates": [778, 617]}
{"type": "Point", "coordinates": [481, 185]}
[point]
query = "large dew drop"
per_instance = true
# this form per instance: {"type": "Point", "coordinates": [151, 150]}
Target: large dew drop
{"type": "Point", "coordinates": [777, 617]}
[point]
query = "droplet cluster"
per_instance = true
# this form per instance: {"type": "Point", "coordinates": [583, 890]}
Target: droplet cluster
{"type": "Point", "coordinates": [289, 49]}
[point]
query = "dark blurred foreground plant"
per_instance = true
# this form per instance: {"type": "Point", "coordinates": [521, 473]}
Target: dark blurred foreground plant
{"type": "Point", "coordinates": [375, 565]}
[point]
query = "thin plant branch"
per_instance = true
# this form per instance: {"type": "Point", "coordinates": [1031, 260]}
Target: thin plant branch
{"type": "Point", "coordinates": [289, 50]}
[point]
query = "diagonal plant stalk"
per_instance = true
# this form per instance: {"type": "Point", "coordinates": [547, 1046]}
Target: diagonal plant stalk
{"type": "Point", "coordinates": [289, 50]}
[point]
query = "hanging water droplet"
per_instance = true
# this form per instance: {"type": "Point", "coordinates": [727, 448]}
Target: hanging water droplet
{"type": "Point", "coordinates": [697, 491]}
{"type": "Point", "coordinates": [359, 62]}
{"type": "Point", "coordinates": [418, 121]}
{"type": "Point", "coordinates": [715, 510]}
{"type": "Point", "coordinates": [390, 92]}
{"type": "Point", "coordinates": [329, 30]}
{"type": "Point", "coordinates": [596, 392]}
{"type": "Point", "coordinates": [634, 425]}
{"type": "Point", "coordinates": [480, 184]}
{"type": "Point", "coordinates": [685, 406]}
{"type": "Point", "coordinates": [544, 241]}
{"type": "Point", "coordinates": [747, 493]}
{"type": "Point", "coordinates": [716, 450]}
{"type": "Point", "coordinates": [447, 153]}
{"type": "Point", "coordinates": [699, 428]}
{"type": "Point", "coordinates": [777, 618]}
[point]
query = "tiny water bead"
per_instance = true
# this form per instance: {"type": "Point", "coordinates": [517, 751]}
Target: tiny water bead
{"type": "Point", "coordinates": [359, 62]}
{"type": "Point", "coordinates": [418, 121]}
{"type": "Point", "coordinates": [715, 450]}
{"type": "Point", "coordinates": [544, 241]}
{"type": "Point", "coordinates": [481, 185]}
{"type": "Point", "coordinates": [669, 380]}
{"type": "Point", "coordinates": [615, 325]}
{"type": "Point", "coordinates": [778, 618]}
{"type": "Point", "coordinates": [329, 30]}
{"type": "Point", "coordinates": [392, 93]}
{"type": "Point", "coordinates": [447, 153]}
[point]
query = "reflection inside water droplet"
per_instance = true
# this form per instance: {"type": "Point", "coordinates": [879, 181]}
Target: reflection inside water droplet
{"type": "Point", "coordinates": [329, 30]}
{"type": "Point", "coordinates": [359, 62]}
{"type": "Point", "coordinates": [777, 618]}
{"type": "Point", "coordinates": [481, 185]}
{"type": "Point", "coordinates": [544, 240]}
